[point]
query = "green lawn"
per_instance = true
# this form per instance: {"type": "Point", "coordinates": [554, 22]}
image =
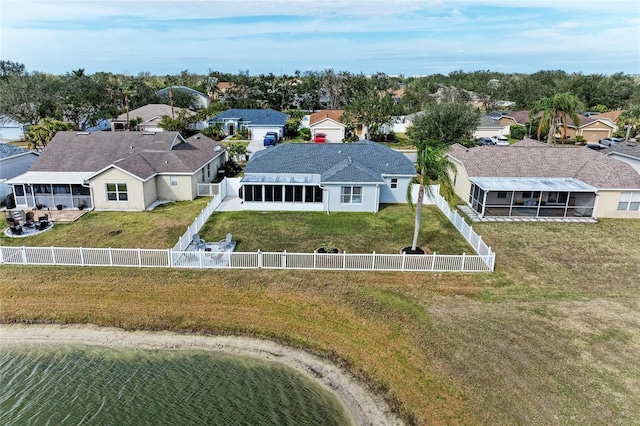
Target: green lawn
{"type": "Point", "coordinates": [385, 232]}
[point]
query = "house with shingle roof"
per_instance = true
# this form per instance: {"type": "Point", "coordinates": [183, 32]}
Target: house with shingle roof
{"type": "Point", "coordinates": [355, 177]}
{"type": "Point", "coordinates": [328, 122]}
{"type": "Point", "coordinates": [626, 151]}
{"type": "Point", "coordinates": [13, 162]}
{"type": "Point", "coordinates": [118, 170]}
{"type": "Point", "coordinates": [537, 180]}
{"type": "Point", "coordinates": [257, 121]}
{"type": "Point", "coordinates": [592, 128]}
{"type": "Point", "coordinates": [149, 115]}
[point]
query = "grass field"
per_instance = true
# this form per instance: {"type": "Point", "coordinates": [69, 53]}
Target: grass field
{"type": "Point", "coordinates": [552, 337]}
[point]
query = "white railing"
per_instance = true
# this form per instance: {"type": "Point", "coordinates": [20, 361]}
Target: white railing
{"type": "Point", "coordinates": [80, 256]}
{"type": "Point", "coordinates": [467, 232]}
{"type": "Point", "coordinates": [199, 221]}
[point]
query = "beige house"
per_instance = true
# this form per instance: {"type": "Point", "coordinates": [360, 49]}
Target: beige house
{"type": "Point", "coordinates": [150, 116]}
{"type": "Point", "coordinates": [328, 122]}
{"type": "Point", "coordinates": [118, 170]}
{"type": "Point", "coordinates": [592, 128]}
{"type": "Point", "coordinates": [536, 180]}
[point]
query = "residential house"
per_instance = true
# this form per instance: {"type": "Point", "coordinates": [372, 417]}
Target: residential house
{"type": "Point", "coordinates": [490, 126]}
{"type": "Point", "coordinates": [328, 122]}
{"type": "Point", "coordinates": [533, 179]}
{"type": "Point", "coordinates": [150, 117]}
{"type": "Point", "coordinates": [199, 99]}
{"type": "Point", "coordinates": [592, 128]}
{"type": "Point", "coordinates": [118, 170]}
{"type": "Point", "coordinates": [626, 151]}
{"type": "Point", "coordinates": [14, 161]}
{"type": "Point", "coordinates": [355, 177]}
{"type": "Point", "coordinates": [11, 129]}
{"type": "Point", "coordinates": [257, 121]}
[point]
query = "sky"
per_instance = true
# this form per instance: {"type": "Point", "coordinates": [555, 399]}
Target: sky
{"type": "Point", "coordinates": [396, 37]}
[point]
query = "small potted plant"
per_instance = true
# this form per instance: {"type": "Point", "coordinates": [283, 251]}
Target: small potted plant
{"type": "Point", "coordinates": [59, 206]}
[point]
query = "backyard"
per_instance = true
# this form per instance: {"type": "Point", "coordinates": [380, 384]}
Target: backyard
{"type": "Point", "coordinates": [551, 337]}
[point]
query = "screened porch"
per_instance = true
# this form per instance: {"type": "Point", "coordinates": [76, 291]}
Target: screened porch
{"type": "Point", "coordinates": [50, 190]}
{"type": "Point", "coordinates": [532, 197]}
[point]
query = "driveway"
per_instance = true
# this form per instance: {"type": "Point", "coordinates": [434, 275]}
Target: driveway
{"type": "Point", "coordinates": [254, 146]}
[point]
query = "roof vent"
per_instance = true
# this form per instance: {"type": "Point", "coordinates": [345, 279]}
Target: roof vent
{"type": "Point", "coordinates": [148, 133]}
{"type": "Point", "coordinates": [82, 133]}
{"type": "Point", "coordinates": [131, 147]}
{"type": "Point", "coordinates": [166, 161]}
{"type": "Point", "coordinates": [197, 136]}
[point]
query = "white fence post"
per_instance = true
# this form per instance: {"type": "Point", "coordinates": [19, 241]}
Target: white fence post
{"type": "Point", "coordinates": [82, 256]}
{"type": "Point", "coordinates": [259, 259]}
{"type": "Point", "coordinates": [344, 260]}
{"type": "Point", "coordinates": [284, 260]}
{"type": "Point", "coordinates": [170, 258]}
{"type": "Point", "coordinates": [404, 258]}
{"type": "Point", "coordinates": [462, 265]}
{"type": "Point", "coordinates": [110, 257]}
{"type": "Point", "coordinates": [433, 262]}
{"type": "Point", "coordinates": [139, 258]}
{"type": "Point", "coordinates": [373, 260]}
{"type": "Point", "coordinates": [24, 255]}
{"type": "Point", "coordinates": [53, 255]}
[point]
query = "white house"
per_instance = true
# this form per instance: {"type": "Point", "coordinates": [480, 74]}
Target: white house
{"type": "Point", "coordinates": [14, 161]}
{"type": "Point", "coordinates": [328, 123]}
{"type": "Point", "coordinates": [355, 177]}
{"type": "Point", "coordinates": [257, 121]}
{"type": "Point", "coordinates": [11, 129]}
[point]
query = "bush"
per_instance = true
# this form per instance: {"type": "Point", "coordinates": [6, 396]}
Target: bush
{"type": "Point", "coordinates": [517, 132]}
{"type": "Point", "coordinates": [241, 134]}
{"type": "Point", "coordinates": [306, 134]}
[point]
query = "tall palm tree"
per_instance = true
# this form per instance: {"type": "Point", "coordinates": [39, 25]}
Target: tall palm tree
{"type": "Point", "coordinates": [432, 167]}
{"type": "Point", "coordinates": [555, 111]}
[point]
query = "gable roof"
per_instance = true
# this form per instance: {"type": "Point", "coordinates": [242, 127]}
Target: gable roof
{"type": "Point", "coordinates": [520, 117]}
{"type": "Point", "coordinates": [142, 154]}
{"type": "Point", "coordinates": [626, 149]}
{"type": "Point", "coordinates": [579, 163]}
{"type": "Point", "coordinates": [151, 111]}
{"type": "Point", "coordinates": [333, 114]}
{"type": "Point", "coordinates": [254, 116]}
{"type": "Point", "coordinates": [362, 161]}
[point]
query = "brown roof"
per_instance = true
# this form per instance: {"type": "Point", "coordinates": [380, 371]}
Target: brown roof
{"type": "Point", "coordinates": [333, 114]}
{"type": "Point", "coordinates": [580, 163]}
{"type": "Point", "coordinates": [611, 115]}
{"type": "Point", "coordinates": [520, 117]}
{"type": "Point", "coordinates": [140, 153]}
{"type": "Point", "coordinates": [527, 143]}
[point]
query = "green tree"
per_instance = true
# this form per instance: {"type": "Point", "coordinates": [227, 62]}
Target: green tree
{"type": "Point", "coordinates": [447, 122]}
{"type": "Point", "coordinates": [556, 111]}
{"type": "Point", "coordinates": [237, 151]}
{"type": "Point", "coordinates": [179, 124]}
{"type": "Point", "coordinates": [432, 167]}
{"type": "Point", "coordinates": [39, 135]}
{"type": "Point", "coordinates": [372, 109]}
{"type": "Point", "coordinates": [629, 121]}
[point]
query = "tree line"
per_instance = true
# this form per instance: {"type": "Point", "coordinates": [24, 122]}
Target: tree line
{"type": "Point", "coordinates": [85, 99]}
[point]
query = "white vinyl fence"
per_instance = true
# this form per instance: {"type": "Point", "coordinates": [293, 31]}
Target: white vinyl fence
{"type": "Point", "coordinates": [180, 257]}
{"type": "Point", "coordinates": [169, 258]}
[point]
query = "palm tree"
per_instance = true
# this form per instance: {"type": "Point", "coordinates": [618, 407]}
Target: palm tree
{"type": "Point", "coordinates": [432, 167]}
{"type": "Point", "coordinates": [555, 111]}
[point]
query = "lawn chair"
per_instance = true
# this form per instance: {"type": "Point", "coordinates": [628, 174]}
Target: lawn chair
{"type": "Point", "coordinates": [226, 243]}
{"type": "Point", "coordinates": [29, 220]}
{"type": "Point", "coordinates": [200, 244]}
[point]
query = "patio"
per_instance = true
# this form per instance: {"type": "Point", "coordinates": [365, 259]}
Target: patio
{"type": "Point", "coordinates": [50, 216]}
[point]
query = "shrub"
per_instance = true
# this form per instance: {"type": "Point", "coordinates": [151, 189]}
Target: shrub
{"type": "Point", "coordinates": [517, 132]}
{"type": "Point", "coordinates": [306, 134]}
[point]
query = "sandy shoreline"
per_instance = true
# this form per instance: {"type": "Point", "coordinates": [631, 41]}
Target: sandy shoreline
{"type": "Point", "coordinates": [365, 407]}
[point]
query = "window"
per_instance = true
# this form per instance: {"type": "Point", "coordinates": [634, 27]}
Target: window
{"type": "Point", "coordinates": [203, 179]}
{"type": "Point", "coordinates": [502, 195]}
{"type": "Point", "coordinates": [557, 197]}
{"type": "Point", "coordinates": [629, 201]}
{"type": "Point", "coordinates": [117, 192]}
{"type": "Point", "coordinates": [530, 194]}
{"type": "Point", "coordinates": [253, 192]}
{"type": "Point", "coordinates": [394, 183]}
{"type": "Point", "coordinates": [313, 194]}
{"type": "Point", "coordinates": [174, 180]}
{"type": "Point", "coordinates": [209, 170]}
{"type": "Point", "coordinates": [351, 195]}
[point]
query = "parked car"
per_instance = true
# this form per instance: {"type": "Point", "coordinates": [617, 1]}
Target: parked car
{"type": "Point", "coordinates": [609, 141]}
{"type": "Point", "coordinates": [485, 141]}
{"type": "Point", "coordinates": [320, 138]}
{"type": "Point", "coordinates": [500, 140]}
{"type": "Point", "coordinates": [596, 146]}
{"type": "Point", "coordinates": [270, 139]}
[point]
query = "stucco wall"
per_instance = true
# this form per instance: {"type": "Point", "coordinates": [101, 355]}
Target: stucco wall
{"type": "Point", "coordinates": [369, 199]}
{"type": "Point", "coordinates": [183, 191]}
{"type": "Point", "coordinates": [15, 166]}
{"type": "Point", "coordinates": [395, 195]}
{"type": "Point", "coordinates": [462, 184]}
{"type": "Point", "coordinates": [136, 191]}
{"type": "Point", "coordinates": [608, 206]}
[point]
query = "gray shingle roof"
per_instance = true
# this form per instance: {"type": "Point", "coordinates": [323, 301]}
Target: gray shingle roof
{"type": "Point", "coordinates": [362, 161]}
{"type": "Point", "coordinates": [151, 111]}
{"type": "Point", "coordinates": [7, 150]}
{"type": "Point", "coordinates": [628, 149]}
{"type": "Point", "coordinates": [141, 154]}
{"type": "Point", "coordinates": [580, 163]}
{"type": "Point", "coordinates": [255, 116]}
